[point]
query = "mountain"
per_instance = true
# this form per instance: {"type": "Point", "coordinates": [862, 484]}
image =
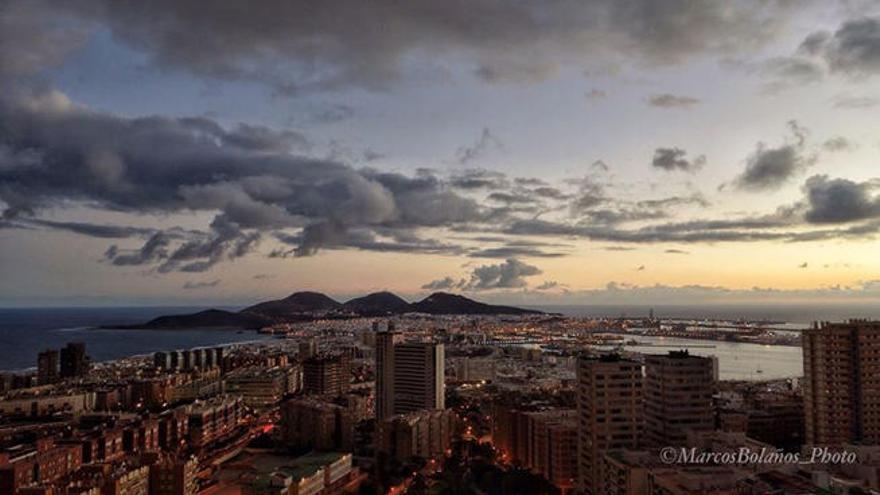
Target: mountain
{"type": "Point", "coordinates": [378, 304]}
{"type": "Point", "coordinates": [443, 303]}
{"type": "Point", "coordinates": [211, 318]}
{"type": "Point", "coordinates": [305, 306]}
{"type": "Point", "coordinates": [297, 303]}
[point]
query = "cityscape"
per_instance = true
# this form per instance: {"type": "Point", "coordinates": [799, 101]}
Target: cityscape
{"type": "Point", "coordinates": [439, 247]}
{"type": "Point", "coordinates": [421, 403]}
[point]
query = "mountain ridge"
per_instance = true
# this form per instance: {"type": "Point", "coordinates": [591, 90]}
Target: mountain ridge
{"type": "Point", "coordinates": [308, 305]}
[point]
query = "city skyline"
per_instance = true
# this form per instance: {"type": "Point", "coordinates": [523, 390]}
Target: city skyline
{"type": "Point", "coordinates": [569, 153]}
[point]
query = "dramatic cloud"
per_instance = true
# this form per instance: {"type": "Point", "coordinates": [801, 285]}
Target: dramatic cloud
{"type": "Point", "coordinates": [853, 49]}
{"type": "Point", "coordinates": [30, 41]}
{"type": "Point", "coordinates": [671, 159]}
{"type": "Point", "coordinates": [55, 151]}
{"type": "Point", "coordinates": [840, 200]}
{"type": "Point", "coordinates": [667, 100]}
{"type": "Point", "coordinates": [301, 46]}
{"type": "Point", "coordinates": [770, 168]}
{"type": "Point", "coordinates": [511, 274]}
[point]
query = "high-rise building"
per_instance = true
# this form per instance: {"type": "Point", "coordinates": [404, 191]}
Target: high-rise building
{"type": "Point", "coordinates": [47, 367]}
{"type": "Point", "coordinates": [418, 377]}
{"type": "Point", "coordinates": [610, 412]}
{"type": "Point", "coordinates": [327, 375]}
{"type": "Point", "coordinates": [678, 397]}
{"type": "Point", "coordinates": [312, 423]}
{"type": "Point", "coordinates": [385, 342]}
{"type": "Point", "coordinates": [842, 383]}
{"type": "Point", "coordinates": [409, 375]}
{"type": "Point", "coordinates": [425, 434]}
{"type": "Point", "coordinates": [74, 362]}
{"type": "Point", "coordinates": [543, 441]}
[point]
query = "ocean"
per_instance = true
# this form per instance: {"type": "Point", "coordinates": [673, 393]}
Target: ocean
{"type": "Point", "coordinates": [26, 332]}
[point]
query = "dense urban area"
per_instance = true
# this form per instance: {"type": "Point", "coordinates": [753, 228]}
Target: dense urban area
{"type": "Point", "coordinates": [418, 403]}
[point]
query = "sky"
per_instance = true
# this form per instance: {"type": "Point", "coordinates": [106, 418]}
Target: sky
{"type": "Point", "coordinates": [558, 152]}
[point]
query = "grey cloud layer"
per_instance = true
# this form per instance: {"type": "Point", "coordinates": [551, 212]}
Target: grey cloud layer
{"type": "Point", "coordinates": [301, 45]}
{"type": "Point", "coordinates": [251, 180]}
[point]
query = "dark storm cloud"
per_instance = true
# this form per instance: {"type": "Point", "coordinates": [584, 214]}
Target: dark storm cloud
{"type": "Point", "coordinates": [300, 46]}
{"type": "Point", "coordinates": [671, 159]}
{"type": "Point", "coordinates": [853, 49]}
{"type": "Point", "coordinates": [840, 200]}
{"type": "Point", "coordinates": [511, 274]}
{"type": "Point", "coordinates": [33, 39]}
{"type": "Point", "coordinates": [770, 168]}
{"type": "Point", "coordinates": [54, 152]}
{"type": "Point", "coordinates": [155, 249]}
{"type": "Point", "coordinates": [667, 100]}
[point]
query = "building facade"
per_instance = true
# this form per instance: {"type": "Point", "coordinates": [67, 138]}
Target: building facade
{"type": "Point", "coordinates": [842, 383]}
{"type": "Point", "coordinates": [610, 413]}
